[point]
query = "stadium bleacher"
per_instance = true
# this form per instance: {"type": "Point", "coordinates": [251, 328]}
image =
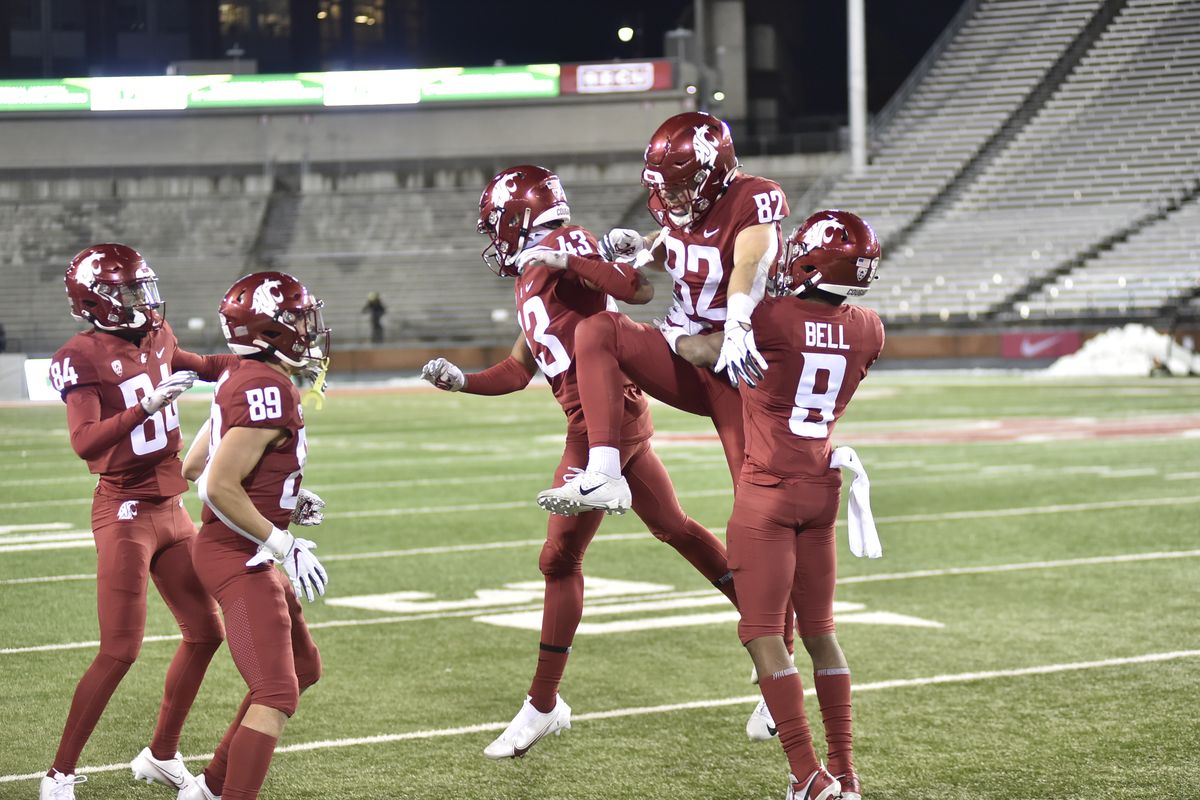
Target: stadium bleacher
{"type": "Point", "coordinates": [1106, 156]}
{"type": "Point", "coordinates": [1042, 164]}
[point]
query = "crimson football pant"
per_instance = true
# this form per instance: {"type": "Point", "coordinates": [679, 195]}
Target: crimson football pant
{"type": "Point", "coordinates": [271, 648]}
{"type": "Point", "coordinates": [136, 540]}
{"type": "Point", "coordinates": [610, 347]}
{"type": "Point", "coordinates": [781, 546]}
{"type": "Point", "coordinates": [567, 538]}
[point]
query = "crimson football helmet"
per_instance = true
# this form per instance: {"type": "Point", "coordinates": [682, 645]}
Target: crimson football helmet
{"type": "Point", "coordinates": [514, 204]}
{"type": "Point", "coordinates": [689, 164]}
{"type": "Point", "coordinates": [834, 251]}
{"type": "Point", "coordinates": [112, 287]}
{"type": "Point", "coordinates": [272, 312]}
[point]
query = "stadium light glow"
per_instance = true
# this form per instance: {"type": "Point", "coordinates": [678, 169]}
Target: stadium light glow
{"type": "Point", "coordinates": [625, 33]}
{"type": "Point", "coordinates": [690, 89]}
{"type": "Point", "coordinates": [718, 96]}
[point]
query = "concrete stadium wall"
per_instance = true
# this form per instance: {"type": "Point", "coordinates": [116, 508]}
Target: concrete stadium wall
{"type": "Point", "coordinates": [562, 126]}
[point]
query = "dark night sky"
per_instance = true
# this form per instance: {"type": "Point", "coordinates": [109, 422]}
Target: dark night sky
{"type": "Point", "coordinates": [478, 32]}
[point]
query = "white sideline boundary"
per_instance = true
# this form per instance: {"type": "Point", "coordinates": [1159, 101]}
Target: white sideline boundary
{"type": "Point", "coordinates": [638, 711]}
{"type": "Point", "coordinates": [853, 579]}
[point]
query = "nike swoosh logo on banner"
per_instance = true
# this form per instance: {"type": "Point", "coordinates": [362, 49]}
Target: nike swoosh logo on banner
{"type": "Point", "coordinates": [589, 491]}
{"type": "Point", "coordinates": [158, 353]}
{"type": "Point", "coordinates": [1030, 349]}
{"type": "Point", "coordinates": [710, 234]}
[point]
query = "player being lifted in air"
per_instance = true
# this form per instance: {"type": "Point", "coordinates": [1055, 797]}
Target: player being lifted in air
{"type": "Point", "coordinates": [720, 235]}
{"type": "Point", "coordinates": [256, 452]}
{"type": "Point", "coordinates": [561, 281]}
{"type": "Point", "coordinates": [781, 533]}
{"type": "Point", "coordinates": [120, 380]}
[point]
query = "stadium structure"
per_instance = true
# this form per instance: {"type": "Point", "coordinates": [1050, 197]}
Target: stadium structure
{"type": "Point", "coordinates": [1034, 180]}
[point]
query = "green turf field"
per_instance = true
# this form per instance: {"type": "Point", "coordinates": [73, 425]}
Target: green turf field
{"type": "Point", "coordinates": [1055, 663]}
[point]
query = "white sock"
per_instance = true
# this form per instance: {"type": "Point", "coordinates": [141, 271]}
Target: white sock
{"type": "Point", "coordinates": [606, 460]}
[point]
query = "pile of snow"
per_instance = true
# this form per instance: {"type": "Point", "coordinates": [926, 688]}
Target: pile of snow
{"type": "Point", "coordinates": [1130, 351]}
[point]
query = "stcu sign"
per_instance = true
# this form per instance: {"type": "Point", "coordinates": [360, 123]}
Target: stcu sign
{"type": "Point", "coordinates": [629, 76]}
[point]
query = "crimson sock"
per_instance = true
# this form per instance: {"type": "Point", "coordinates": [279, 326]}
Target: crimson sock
{"type": "Point", "coordinates": [561, 611]}
{"type": "Point", "coordinates": [601, 391]}
{"type": "Point", "coordinates": [91, 697]}
{"type": "Point", "coordinates": [833, 693]}
{"type": "Point", "coordinates": [250, 757]}
{"type": "Point", "coordinates": [706, 553]}
{"type": "Point", "coordinates": [214, 773]}
{"type": "Point", "coordinates": [784, 694]}
{"type": "Point", "coordinates": [183, 682]}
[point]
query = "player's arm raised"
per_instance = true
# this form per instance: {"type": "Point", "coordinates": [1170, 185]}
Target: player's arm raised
{"type": "Point", "coordinates": [511, 375]}
{"type": "Point", "coordinates": [209, 368]}
{"type": "Point", "coordinates": [624, 281]}
{"type": "Point", "coordinates": [754, 250]}
{"type": "Point", "coordinates": [92, 436]}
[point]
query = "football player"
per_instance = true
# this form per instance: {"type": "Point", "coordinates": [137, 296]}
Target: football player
{"type": "Point", "coordinates": [781, 533]}
{"type": "Point", "coordinates": [250, 485]}
{"type": "Point", "coordinates": [561, 280]}
{"type": "Point", "coordinates": [720, 236]}
{"type": "Point", "coordinates": [119, 381]}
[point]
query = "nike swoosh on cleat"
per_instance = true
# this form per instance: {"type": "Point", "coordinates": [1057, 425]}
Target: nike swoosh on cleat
{"type": "Point", "coordinates": [589, 491]}
{"type": "Point", "coordinates": [771, 729]}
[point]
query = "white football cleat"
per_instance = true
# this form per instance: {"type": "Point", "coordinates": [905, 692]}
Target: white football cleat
{"type": "Point", "coordinates": [197, 789]}
{"type": "Point", "coordinates": [60, 787]}
{"type": "Point", "coordinates": [587, 490]}
{"type": "Point", "coordinates": [527, 728]}
{"type": "Point", "coordinates": [761, 725]}
{"type": "Point", "coordinates": [169, 772]}
{"type": "Point", "coordinates": [820, 785]}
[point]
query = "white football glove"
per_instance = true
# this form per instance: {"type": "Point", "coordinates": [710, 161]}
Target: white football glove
{"type": "Point", "coordinates": [166, 392]}
{"type": "Point", "coordinates": [302, 567]}
{"type": "Point", "coordinates": [444, 375]}
{"type": "Point", "coordinates": [739, 358]}
{"type": "Point", "coordinates": [555, 259]}
{"type": "Point", "coordinates": [308, 509]}
{"type": "Point", "coordinates": [675, 323]}
{"type": "Point", "coordinates": [621, 244]}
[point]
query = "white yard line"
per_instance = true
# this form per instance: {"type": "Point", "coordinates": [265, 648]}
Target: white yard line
{"type": "Point", "coordinates": [854, 579]}
{"type": "Point", "coordinates": [639, 711]}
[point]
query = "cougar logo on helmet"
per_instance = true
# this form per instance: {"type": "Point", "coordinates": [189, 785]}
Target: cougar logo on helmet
{"type": "Point", "coordinates": [504, 189]}
{"type": "Point", "coordinates": [821, 233]}
{"type": "Point", "coordinates": [704, 145]}
{"type": "Point", "coordinates": [88, 270]}
{"type": "Point", "coordinates": [266, 298]}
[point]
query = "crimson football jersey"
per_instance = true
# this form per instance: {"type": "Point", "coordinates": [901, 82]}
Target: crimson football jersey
{"type": "Point", "coordinates": [550, 303]}
{"type": "Point", "coordinates": [255, 395]}
{"type": "Point", "coordinates": [700, 260]}
{"type": "Point", "coordinates": [145, 463]}
{"type": "Point", "coordinates": [816, 356]}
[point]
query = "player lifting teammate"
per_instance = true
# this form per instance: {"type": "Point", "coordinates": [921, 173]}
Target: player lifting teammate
{"type": "Point", "coordinates": [781, 532]}
{"type": "Point", "coordinates": [562, 281]}
{"type": "Point", "coordinates": [256, 453]}
{"type": "Point", "coordinates": [119, 381]}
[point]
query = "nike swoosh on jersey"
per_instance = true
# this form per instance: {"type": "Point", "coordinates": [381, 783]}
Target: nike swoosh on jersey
{"type": "Point", "coordinates": [712, 233]}
{"type": "Point", "coordinates": [158, 353]}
